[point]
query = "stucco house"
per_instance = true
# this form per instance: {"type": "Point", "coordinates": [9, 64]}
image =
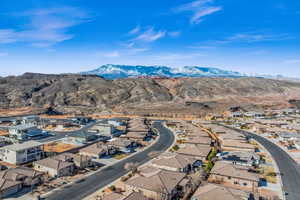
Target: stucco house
{"type": "Point", "coordinates": [158, 184]}
{"type": "Point", "coordinates": [98, 150]}
{"type": "Point", "coordinates": [218, 192]}
{"type": "Point", "coordinates": [234, 175]}
{"type": "Point", "coordinates": [55, 168]}
{"type": "Point", "coordinates": [176, 162]}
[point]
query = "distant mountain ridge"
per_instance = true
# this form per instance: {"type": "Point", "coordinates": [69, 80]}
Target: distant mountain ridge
{"type": "Point", "coordinates": [111, 71]}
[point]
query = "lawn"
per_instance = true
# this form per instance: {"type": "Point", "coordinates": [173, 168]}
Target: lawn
{"type": "Point", "coordinates": [269, 174]}
{"type": "Point", "coordinates": [120, 156]}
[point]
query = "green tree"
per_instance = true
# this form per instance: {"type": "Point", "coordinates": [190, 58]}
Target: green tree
{"type": "Point", "coordinates": [209, 166]}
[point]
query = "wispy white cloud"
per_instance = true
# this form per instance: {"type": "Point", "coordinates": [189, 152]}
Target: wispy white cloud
{"type": "Point", "coordinates": [257, 37]}
{"type": "Point", "coordinates": [242, 38]}
{"type": "Point", "coordinates": [174, 34]}
{"type": "Point", "coordinates": [201, 47]}
{"type": "Point", "coordinates": [46, 28]}
{"type": "Point", "coordinates": [253, 37]}
{"type": "Point", "coordinates": [197, 17]}
{"type": "Point", "coordinates": [192, 5]}
{"type": "Point", "coordinates": [135, 30]}
{"type": "Point", "coordinates": [147, 35]}
{"type": "Point", "coordinates": [141, 37]}
{"type": "Point", "coordinates": [113, 54]}
{"type": "Point", "coordinates": [199, 8]}
{"type": "Point", "coordinates": [151, 35]}
{"type": "Point", "coordinates": [133, 47]}
{"type": "Point", "coordinates": [137, 50]}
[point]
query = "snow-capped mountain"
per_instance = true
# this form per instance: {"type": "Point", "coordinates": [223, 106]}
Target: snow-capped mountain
{"type": "Point", "coordinates": [110, 71]}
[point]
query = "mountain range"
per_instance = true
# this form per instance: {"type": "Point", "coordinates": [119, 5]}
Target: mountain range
{"type": "Point", "coordinates": [77, 93]}
{"type": "Point", "coordinates": [111, 71]}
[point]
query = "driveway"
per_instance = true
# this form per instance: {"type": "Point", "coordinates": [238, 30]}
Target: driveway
{"type": "Point", "coordinates": [287, 166]}
{"type": "Point", "coordinates": [102, 178]}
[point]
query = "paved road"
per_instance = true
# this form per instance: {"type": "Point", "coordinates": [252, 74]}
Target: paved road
{"type": "Point", "coordinates": [102, 178]}
{"type": "Point", "coordinates": [287, 166]}
{"type": "Point", "coordinates": [60, 135]}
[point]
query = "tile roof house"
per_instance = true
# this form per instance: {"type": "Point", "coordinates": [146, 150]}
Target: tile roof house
{"type": "Point", "coordinates": [131, 196]}
{"type": "Point", "coordinates": [137, 125]}
{"type": "Point", "coordinates": [135, 135]}
{"type": "Point", "coordinates": [241, 158]}
{"type": "Point", "coordinates": [136, 196]}
{"type": "Point", "coordinates": [196, 133]}
{"type": "Point", "coordinates": [12, 180]}
{"type": "Point", "coordinates": [231, 140]}
{"type": "Point", "coordinates": [124, 144]}
{"type": "Point", "coordinates": [198, 140]}
{"type": "Point", "coordinates": [105, 130]}
{"type": "Point", "coordinates": [218, 192]}
{"type": "Point", "coordinates": [198, 151]}
{"type": "Point", "coordinates": [231, 135]}
{"type": "Point", "coordinates": [176, 162]}
{"type": "Point", "coordinates": [98, 150]}
{"type": "Point", "coordinates": [80, 161]}
{"type": "Point", "coordinates": [83, 137]}
{"type": "Point", "coordinates": [288, 136]}
{"type": "Point", "coordinates": [9, 187]}
{"type": "Point", "coordinates": [138, 128]}
{"type": "Point", "coordinates": [55, 168]}
{"type": "Point", "coordinates": [113, 196]}
{"type": "Point", "coordinates": [215, 128]}
{"type": "Point", "coordinates": [237, 145]}
{"type": "Point", "coordinates": [158, 184]}
{"type": "Point", "coordinates": [25, 175]}
{"type": "Point", "coordinates": [235, 176]}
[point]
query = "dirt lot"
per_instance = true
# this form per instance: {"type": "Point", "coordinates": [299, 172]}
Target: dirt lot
{"type": "Point", "coordinates": [20, 111]}
{"type": "Point", "coordinates": [58, 147]}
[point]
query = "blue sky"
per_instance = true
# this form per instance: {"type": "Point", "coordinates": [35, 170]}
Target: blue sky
{"type": "Point", "coordinates": [58, 36]}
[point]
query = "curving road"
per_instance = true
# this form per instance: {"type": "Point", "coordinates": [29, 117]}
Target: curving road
{"type": "Point", "coordinates": [59, 135]}
{"type": "Point", "coordinates": [102, 178]}
{"type": "Point", "coordinates": [287, 166]}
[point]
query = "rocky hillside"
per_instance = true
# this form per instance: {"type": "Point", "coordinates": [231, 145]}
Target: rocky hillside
{"type": "Point", "coordinates": [89, 93]}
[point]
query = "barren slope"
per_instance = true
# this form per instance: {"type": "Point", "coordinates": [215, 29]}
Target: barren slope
{"type": "Point", "coordinates": [89, 93]}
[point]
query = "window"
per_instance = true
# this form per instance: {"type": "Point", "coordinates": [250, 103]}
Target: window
{"type": "Point", "coordinates": [245, 184]}
{"type": "Point", "coordinates": [229, 177]}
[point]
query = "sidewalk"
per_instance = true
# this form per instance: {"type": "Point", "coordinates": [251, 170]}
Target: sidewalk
{"type": "Point", "coordinates": [100, 191]}
{"type": "Point", "coordinates": [273, 187]}
{"type": "Point", "coordinates": [279, 181]}
{"type": "Point", "coordinates": [102, 168]}
{"type": "Point", "coordinates": [295, 154]}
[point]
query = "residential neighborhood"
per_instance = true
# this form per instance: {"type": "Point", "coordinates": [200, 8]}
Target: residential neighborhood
{"type": "Point", "coordinates": [205, 156]}
{"type": "Point", "coordinates": [199, 164]}
{"type": "Point", "coordinates": [61, 157]}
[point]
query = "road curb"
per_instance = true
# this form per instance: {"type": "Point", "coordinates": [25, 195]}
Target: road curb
{"type": "Point", "coordinates": [276, 166]}
{"type": "Point", "coordinates": [273, 159]}
{"type": "Point", "coordinates": [92, 196]}
{"type": "Point", "coordinates": [74, 182]}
